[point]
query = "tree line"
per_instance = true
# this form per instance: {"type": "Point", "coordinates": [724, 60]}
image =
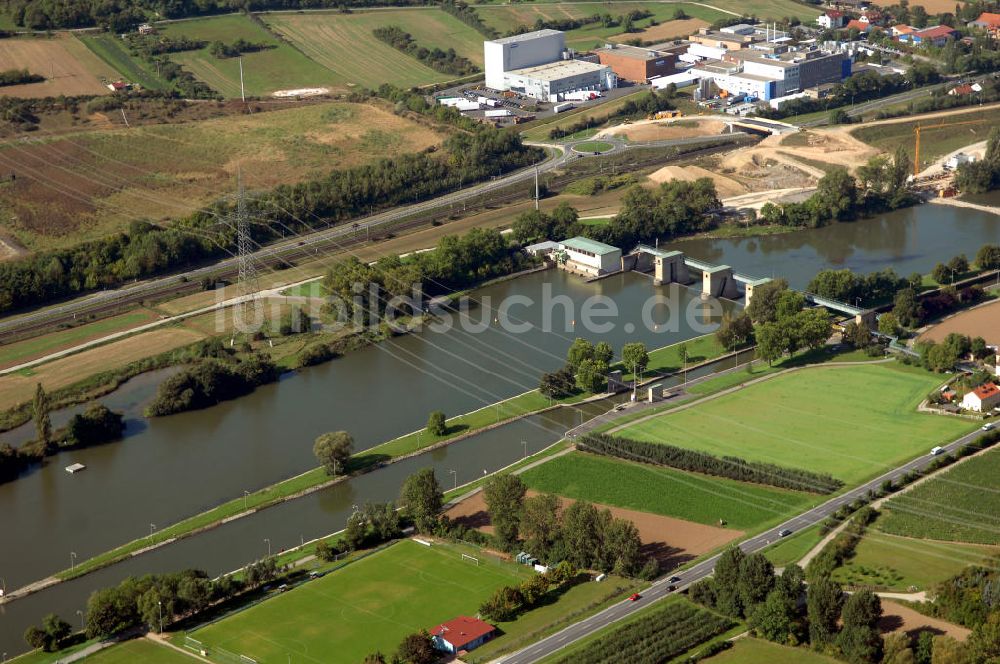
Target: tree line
{"type": "Point", "coordinates": [983, 175]}
{"type": "Point", "coordinates": [783, 324]}
{"type": "Point", "coordinates": [235, 49]}
{"type": "Point", "coordinates": [145, 250]}
{"type": "Point", "coordinates": [664, 454]}
{"type": "Point", "coordinates": [648, 103]}
{"type": "Point", "coordinates": [19, 77]}
{"type": "Point", "coordinates": [446, 62]}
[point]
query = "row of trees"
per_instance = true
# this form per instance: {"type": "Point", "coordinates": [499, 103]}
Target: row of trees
{"type": "Point", "coordinates": [235, 49]}
{"type": "Point", "coordinates": [983, 175]}
{"type": "Point", "coordinates": [210, 381]}
{"type": "Point", "coordinates": [508, 601]}
{"type": "Point", "coordinates": [860, 289]}
{"type": "Point", "coordinates": [446, 62]}
{"type": "Point", "coordinates": [18, 77]}
{"type": "Point", "coordinates": [663, 454]}
{"type": "Point", "coordinates": [842, 547]}
{"type": "Point", "coordinates": [782, 324]}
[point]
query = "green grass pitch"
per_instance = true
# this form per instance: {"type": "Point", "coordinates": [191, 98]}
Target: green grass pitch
{"type": "Point", "coordinates": [366, 606]}
{"type": "Point", "coordinates": [854, 422]}
{"type": "Point", "coordinates": [665, 491]}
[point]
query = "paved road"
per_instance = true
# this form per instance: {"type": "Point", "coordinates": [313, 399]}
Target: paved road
{"type": "Point", "coordinates": [297, 248]}
{"type": "Point", "coordinates": [660, 589]}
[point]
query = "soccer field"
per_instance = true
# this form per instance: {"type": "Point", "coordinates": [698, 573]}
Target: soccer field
{"type": "Point", "coordinates": [854, 422]}
{"type": "Point", "coordinates": [368, 605]}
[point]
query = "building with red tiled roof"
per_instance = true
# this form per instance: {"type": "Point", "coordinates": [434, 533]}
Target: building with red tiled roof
{"type": "Point", "coordinates": [936, 36]}
{"type": "Point", "coordinates": [987, 21]}
{"type": "Point", "coordinates": [961, 90]}
{"type": "Point", "coordinates": [832, 19]}
{"type": "Point", "coordinates": [860, 26]}
{"type": "Point", "coordinates": [983, 398]}
{"type": "Point", "coordinates": [461, 633]}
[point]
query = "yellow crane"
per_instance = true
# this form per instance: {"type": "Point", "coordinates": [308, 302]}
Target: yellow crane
{"type": "Point", "coordinates": [918, 129]}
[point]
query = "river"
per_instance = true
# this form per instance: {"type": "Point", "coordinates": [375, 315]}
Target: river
{"type": "Point", "coordinates": [169, 468]}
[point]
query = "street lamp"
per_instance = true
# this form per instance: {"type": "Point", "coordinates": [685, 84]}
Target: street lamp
{"type": "Point", "coordinates": [80, 613]}
{"type": "Point", "coordinates": [246, 494]}
{"type": "Point", "coordinates": [524, 444]}
{"type": "Point", "coordinates": [455, 474]}
{"type": "Point", "coordinates": [159, 607]}
{"type": "Point", "coordinates": [152, 528]}
{"type": "Point", "coordinates": [268, 540]}
{"type": "Point", "coordinates": [72, 560]}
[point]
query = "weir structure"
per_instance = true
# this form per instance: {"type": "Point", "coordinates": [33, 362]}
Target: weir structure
{"type": "Point", "coordinates": [719, 281]}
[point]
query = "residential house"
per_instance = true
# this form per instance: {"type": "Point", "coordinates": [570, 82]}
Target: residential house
{"type": "Point", "coordinates": [936, 36]}
{"type": "Point", "coordinates": [832, 20]}
{"type": "Point", "coordinates": [983, 398]}
{"type": "Point", "coordinates": [961, 90]}
{"type": "Point", "coordinates": [901, 29]}
{"type": "Point", "coordinates": [461, 634]}
{"type": "Point", "coordinates": [855, 24]}
{"type": "Point", "coordinates": [988, 22]}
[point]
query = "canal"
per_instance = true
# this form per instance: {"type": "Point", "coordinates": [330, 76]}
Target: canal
{"type": "Point", "coordinates": [170, 468]}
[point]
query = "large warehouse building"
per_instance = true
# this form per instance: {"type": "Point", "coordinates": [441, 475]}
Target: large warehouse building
{"type": "Point", "coordinates": [636, 64]}
{"type": "Point", "coordinates": [537, 64]}
{"type": "Point", "coordinates": [519, 52]}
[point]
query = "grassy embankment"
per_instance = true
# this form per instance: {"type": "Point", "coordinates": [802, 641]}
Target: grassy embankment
{"type": "Point", "coordinates": [934, 142]}
{"type": "Point", "coordinates": [758, 651]}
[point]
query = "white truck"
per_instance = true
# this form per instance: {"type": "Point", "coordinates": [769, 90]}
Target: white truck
{"type": "Point", "coordinates": [581, 95]}
{"type": "Point", "coordinates": [497, 113]}
{"type": "Point", "coordinates": [559, 108]}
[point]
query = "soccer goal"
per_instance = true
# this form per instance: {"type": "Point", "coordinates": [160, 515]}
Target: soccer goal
{"type": "Point", "coordinates": [471, 559]}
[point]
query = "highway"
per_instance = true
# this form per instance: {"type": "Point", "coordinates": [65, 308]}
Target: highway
{"type": "Point", "coordinates": [306, 245]}
{"type": "Point", "coordinates": [703, 569]}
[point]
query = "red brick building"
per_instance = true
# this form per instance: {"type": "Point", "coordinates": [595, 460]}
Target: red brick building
{"type": "Point", "coordinates": [636, 64]}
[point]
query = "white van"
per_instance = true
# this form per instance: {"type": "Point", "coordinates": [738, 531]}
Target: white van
{"type": "Point", "coordinates": [937, 450]}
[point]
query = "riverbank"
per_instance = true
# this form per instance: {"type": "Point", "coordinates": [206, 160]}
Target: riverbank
{"type": "Point", "coordinates": [701, 351]}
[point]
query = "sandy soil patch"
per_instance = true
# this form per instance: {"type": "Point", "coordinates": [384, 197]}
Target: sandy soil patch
{"type": "Point", "coordinates": [661, 130]}
{"type": "Point", "coordinates": [834, 145]}
{"type": "Point", "coordinates": [982, 322]}
{"type": "Point", "coordinates": [668, 30]}
{"type": "Point", "coordinates": [17, 388]}
{"type": "Point", "coordinates": [672, 541]}
{"type": "Point", "coordinates": [726, 187]}
{"type": "Point", "coordinates": [69, 67]}
{"type": "Point", "coordinates": [898, 618]}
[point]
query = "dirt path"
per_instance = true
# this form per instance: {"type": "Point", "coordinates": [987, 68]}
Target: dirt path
{"type": "Point", "coordinates": [899, 618]}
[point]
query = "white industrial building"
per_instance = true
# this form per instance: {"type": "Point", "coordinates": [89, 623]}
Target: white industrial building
{"type": "Point", "coordinates": [519, 52]}
{"type": "Point", "coordinates": [590, 256]}
{"type": "Point", "coordinates": [537, 64]}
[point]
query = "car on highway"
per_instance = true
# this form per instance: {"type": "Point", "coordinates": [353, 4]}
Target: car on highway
{"type": "Point", "coordinates": [988, 426]}
{"type": "Point", "coordinates": [634, 597]}
{"type": "Point", "coordinates": [937, 450]}
{"type": "Point", "coordinates": [674, 579]}
{"type": "Point", "coordinates": [785, 533]}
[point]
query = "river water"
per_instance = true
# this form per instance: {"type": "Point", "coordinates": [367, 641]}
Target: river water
{"type": "Point", "coordinates": [172, 467]}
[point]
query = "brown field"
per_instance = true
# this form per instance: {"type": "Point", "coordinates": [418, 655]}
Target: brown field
{"type": "Point", "coordinates": [69, 67]}
{"type": "Point", "coordinates": [899, 618]}
{"type": "Point", "coordinates": [932, 6]}
{"type": "Point", "coordinates": [726, 187]}
{"type": "Point", "coordinates": [665, 30]}
{"type": "Point", "coordinates": [654, 130]}
{"type": "Point", "coordinates": [91, 184]}
{"type": "Point", "coordinates": [19, 387]}
{"type": "Point", "coordinates": [687, 540]}
{"type": "Point", "coordinates": [982, 322]}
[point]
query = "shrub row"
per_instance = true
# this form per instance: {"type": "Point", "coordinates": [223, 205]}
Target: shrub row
{"type": "Point", "coordinates": [701, 462]}
{"type": "Point", "coordinates": [446, 62]}
{"type": "Point", "coordinates": [657, 637]}
{"type": "Point", "coordinates": [842, 547]}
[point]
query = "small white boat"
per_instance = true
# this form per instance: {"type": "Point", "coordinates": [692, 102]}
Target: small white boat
{"type": "Point", "coordinates": [75, 468]}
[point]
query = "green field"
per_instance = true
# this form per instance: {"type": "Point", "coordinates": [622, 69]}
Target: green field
{"type": "Point", "coordinates": [665, 491]}
{"type": "Point", "coordinates": [934, 142]}
{"type": "Point", "coordinates": [906, 564]}
{"type": "Point", "coordinates": [368, 605]}
{"type": "Point", "coordinates": [139, 650]}
{"type": "Point", "coordinates": [792, 549]}
{"type": "Point", "coordinates": [593, 146]}
{"type": "Point", "coordinates": [112, 50]}
{"type": "Point", "coordinates": [854, 422]}
{"type": "Point", "coordinates": [278, 68]}
{"type": "Point", "coordinates": [758, 651]}
{"type": "Point", "coordinates": [962, 505]}
{"type": "Point", "coordinates": [345, 46]}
